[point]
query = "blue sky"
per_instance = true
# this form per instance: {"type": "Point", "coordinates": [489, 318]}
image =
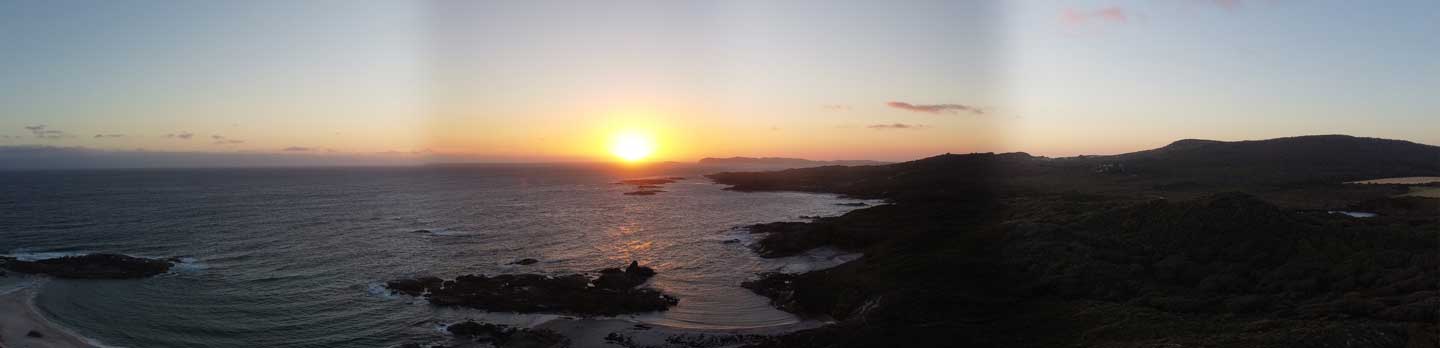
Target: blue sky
{"type": "Point", "coordinates": [550, 80]}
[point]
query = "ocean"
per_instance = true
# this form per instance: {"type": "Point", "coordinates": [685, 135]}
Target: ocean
{"type": "Point", "coordinates": [296, 257]}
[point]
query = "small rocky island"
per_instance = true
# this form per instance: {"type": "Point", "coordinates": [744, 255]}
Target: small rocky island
{"type": "Point", "coordinates": [648, 187]}
{"type": "Point", "coordinates": [613, 292]}
{"type": "Point", "coordinates": [91, 266]}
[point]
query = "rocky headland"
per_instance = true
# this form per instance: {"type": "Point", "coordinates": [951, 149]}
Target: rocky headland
{"type": "Point", "coordinates": [1011, 250]}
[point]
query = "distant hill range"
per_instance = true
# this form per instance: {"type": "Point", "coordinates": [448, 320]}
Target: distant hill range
{"type": "Point", "coordinates": [1317, 157]}
{"type": "Point", "coordinates": [1184, 164]}
{"type": "Point", "coordinates": [781, 162]}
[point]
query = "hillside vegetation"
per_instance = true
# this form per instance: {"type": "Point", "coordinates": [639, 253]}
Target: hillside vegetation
{"type": "Point", "coordinates": [1197, 244]}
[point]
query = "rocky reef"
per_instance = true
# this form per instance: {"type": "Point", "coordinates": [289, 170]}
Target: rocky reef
{"type": "Point", "coordinates": [650, 182]}
{"type": "Point", "coordinates": [502, 336]}
{"type": "Point", "coordinates": [91, 266]}
{"type": "Point", "coordinates": [613, 292]}
{"type": "Point", "coordinates": [648, 187]}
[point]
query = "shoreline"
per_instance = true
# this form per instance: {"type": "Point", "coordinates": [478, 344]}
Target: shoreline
{"type": "Point", "coordinates": [592, 333]}
{"type": "Point", "coordinates": [18, 317]}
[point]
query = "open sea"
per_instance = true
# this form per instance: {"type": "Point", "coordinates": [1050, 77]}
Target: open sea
{"type": "Point", "coordinates": [296, 257]}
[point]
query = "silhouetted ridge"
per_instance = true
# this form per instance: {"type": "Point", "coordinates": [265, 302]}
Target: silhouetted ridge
{"type": "Point", "coordinates": [783, 162]}
{"type": "Point", "coordinates": [942, 177]}
{"type": "Point", "coordinates": [1305, 158]}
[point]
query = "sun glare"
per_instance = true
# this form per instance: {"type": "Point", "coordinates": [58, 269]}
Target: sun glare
{"type": "Point", "coordinates": [632, 147]}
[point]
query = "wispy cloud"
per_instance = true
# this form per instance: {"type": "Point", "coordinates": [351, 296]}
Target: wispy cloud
{"type": "Point", "coordinates": [222, 140]}
{"type": "Point", "coordinates": [181, 135]}
{"type": "Point", "coordinates": [297, 149]}
{"type": "Point", "coordinates": [936, 108]}
{"type": "Point", "coordinates": [835, 107]}
{"type": "Point", "coordinates": [1113, 14]}
{"type": "Point", "coordinates": [40, 132]}
{"type": "Point", "coordinates": [1226, 4]}
{"type": "Point", "coordinates": [99, 136]}
{"type": "Point", "coordinates": [895, 126]}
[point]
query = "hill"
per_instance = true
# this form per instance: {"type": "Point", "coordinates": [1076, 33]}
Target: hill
{"type": "Point", "coordinates": [780, 162]}
{"type": "Point", "coordinates": [1305, 158]}
{"type": "Point", "coordinates": [1199, 243]}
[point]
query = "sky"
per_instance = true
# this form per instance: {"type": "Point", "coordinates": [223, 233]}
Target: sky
{"type": "Point", "coordinates": [538, 81]}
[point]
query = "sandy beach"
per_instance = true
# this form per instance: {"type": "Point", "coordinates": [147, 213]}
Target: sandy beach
{"type": "Point", "coordinates": [1415, 180]}
{"type": "Point", "coordinates": [18, 318]}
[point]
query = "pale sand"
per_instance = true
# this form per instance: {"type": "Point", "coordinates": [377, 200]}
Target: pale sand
{"type": "Point", "coordinates": [18, 317]}
{"type": "Point", "coordinates": [1417, 180]}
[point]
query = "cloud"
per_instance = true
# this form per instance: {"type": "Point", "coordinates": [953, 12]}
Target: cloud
{"type": "Point", "coordinates": [936, 108]}
{"type": "Point", "coordinates": [98, 136]}
{"type": "Point", "coordinates": [835, 107]}
{"type": "Point", "coordinates": [54, 157]}
{"type": "Point", "coordinates": [1226, 4]}
{"type": "Point", "coordinates": [895, 126]}
{"type": "Point", "coordinates": [222, 140]}
{"type": "Point", "coordinates": [1111, 14]}
{"type": "Point", "coordinates": [181, 135]}
{"type": "Point", "coordinates": [297, 149]}
{"type": "Point", "coordinates": [40, 132]}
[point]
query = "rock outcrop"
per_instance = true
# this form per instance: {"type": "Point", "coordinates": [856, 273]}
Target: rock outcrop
{"type": "Point", "coordinates": [613, 292]}
{"type": "Point", "coordinates": [91, 266]}
{"type": "Point", "coordinates": [502, 336]}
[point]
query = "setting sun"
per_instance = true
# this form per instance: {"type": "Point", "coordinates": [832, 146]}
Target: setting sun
{"type": "Point", "coordinates": [632, 147]}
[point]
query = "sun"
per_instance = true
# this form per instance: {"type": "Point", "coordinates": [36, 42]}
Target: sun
{"type": "Point", "coordinates": [632, 146]}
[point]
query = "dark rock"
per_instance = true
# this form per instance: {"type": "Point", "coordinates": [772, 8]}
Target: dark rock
{"type": "Point", "coordinates": [34, 334]}
{"type": "Point", "coordinates": [643, 192]}
{"type": "Point", "coordinates": [730, 241]}
{"type": "Point", "coordinates": [853, 204]}
{"type": "Point", "coordinates": [618, 339]}
{"type": "Point", "coordinates": [478, 331]}
{"type": "Point", "coordinates": [630, 277]}
{"type": "Point", "coordinates": [415, 287]}
{"type": "Point", "coordinates": [779, 288]}
{"type": "Point", "coordinates": [420, 231]}
{"type": "Point", "coordinates": [507, 337]}
{"type": "Point", "coordinates": [525, 262]}
{"type": "Point", "coordinates": [613, 292]}
{"type": "Point", "coordinates": [639, 182]}
{"type": "Point", "coordinates": [526, 338]}
{"type": "Point", "coordinates": [92, 266]}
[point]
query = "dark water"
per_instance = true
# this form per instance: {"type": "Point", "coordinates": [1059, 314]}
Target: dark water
{"type": "Point", "coordinates": [294, 257]}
